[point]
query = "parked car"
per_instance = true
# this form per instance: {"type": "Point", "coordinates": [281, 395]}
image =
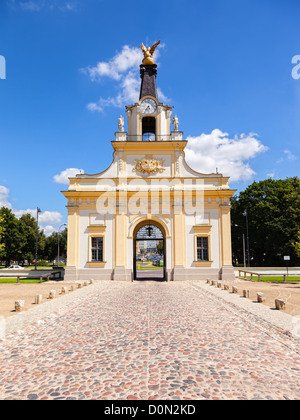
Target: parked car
{"type": "Point", "coordinates": [13, 267]}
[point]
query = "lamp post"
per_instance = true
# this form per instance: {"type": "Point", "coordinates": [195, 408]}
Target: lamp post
{"type": "Point", "coordinates": [247, 228]}
{"type": "Point", "coordinates": [58, 244]}
{"type": "Point", "coordinates": [244, 245]}
{"type": "Point", "coordinates": [38, 210]}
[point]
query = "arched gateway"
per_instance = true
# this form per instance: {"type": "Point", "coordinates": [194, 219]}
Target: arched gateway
{"type": "Point", "coordinates": [149, 252]}
{"type": "Point", "coordinates": [149, 211]}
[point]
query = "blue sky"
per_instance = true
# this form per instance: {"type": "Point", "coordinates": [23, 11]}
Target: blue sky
{"type": "Point", "coordinates": [72, 65]}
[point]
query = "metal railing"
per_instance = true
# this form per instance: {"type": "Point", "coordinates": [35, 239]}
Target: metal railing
{"type": "Point", "coordinates": [149, 137]}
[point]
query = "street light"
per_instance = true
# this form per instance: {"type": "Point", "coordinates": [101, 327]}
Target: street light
{"type": "Point", "coordinates": [244, 246]}
{"type": "Point", "coordinates": [247, 227]}
{"type": "Point", "coordinates": [58, 244]}
{"type": "Point", "coordinates": [38, 210]}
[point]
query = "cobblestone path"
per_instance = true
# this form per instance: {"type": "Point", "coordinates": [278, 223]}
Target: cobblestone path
{"type": "Point", "coordinates": [150, 341]}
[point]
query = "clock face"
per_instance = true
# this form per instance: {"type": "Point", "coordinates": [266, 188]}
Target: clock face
{"type": "Point", "coordinates": [148, 106]}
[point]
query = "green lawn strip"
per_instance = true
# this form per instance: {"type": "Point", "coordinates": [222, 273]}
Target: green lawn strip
{"type": "Point", "coordinates": [22, 281]}
{"type": "Point", "coordinates": [278, 279]}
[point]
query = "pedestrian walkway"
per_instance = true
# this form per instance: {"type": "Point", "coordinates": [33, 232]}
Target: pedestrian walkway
{"type": "Point", "coordinates": [150, 340]}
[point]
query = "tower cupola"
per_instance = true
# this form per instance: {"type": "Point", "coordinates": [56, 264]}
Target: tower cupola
{"type": "Point", "coordinates": [149, 119]}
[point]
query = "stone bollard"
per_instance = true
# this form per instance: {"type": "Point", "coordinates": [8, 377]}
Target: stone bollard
{"type": "Point", "coordinates": [219, 285]}
{"type": "Point", "coordinates": [92, 281]}
{"type": "Point", "coordinates": [246, 293]}
{"type": "Point", "coordinates": [226, 286]}
{"type": "Point", "coordinates": [208, 281]}
{"type": "Point", "coordinates": [38, 299]}
{"type": "Point", "coordinates": [64, 290]}
{"type": "Point", "coordinates": [213, 283]}
{"type": "Point", "coordinates": [279, 304]}
{"type": "Point", "coordinates": [234, 289]}
{"type": "Point", "coordinates": [73, 287]}
{"type": "Point", "coordinates": [19, 305]}
{"type": "Point", "coordinates": [260, 297]}
{"type": "Point", "coordinates": [86, 283]}
{"type": "Point", "coordinates": [52, 294]}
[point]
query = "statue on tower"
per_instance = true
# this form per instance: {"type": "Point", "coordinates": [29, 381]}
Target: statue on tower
{"type": "Point", "coordinates": [121, 124]}
{"type": "Point", "coordinates": [148, 54]}
{"type": "Point", "coordinates": [175, 122]}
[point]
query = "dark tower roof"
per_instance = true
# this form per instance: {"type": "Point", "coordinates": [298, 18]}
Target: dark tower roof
{"type": "Point", "coordinates": [148, 76]}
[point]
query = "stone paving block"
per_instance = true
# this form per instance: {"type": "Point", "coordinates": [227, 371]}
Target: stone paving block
{"type": "Point", "coordinates": [260, 297]}
{"type": "Point", "coordinates": [246, 293]}
{"type": "Point", "coordinates": [38, 299]}
{"type": "Point", "coordinates": [19, 305]}
{"type": "Point", "coordinates": [280, 304]}
{"type": "Point", "coordinates": [52, 294]}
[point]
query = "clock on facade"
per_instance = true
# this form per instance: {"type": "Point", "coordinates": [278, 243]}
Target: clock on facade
{"type": "Point", "coordinates": [148, 106]}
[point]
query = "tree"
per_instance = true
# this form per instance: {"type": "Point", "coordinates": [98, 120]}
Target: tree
{"type": "Point", "coordinates": [18, 237]}
{"type": "Point", "coordinates": [51, 248]}
{"type": "Point", "coordinates": [2, 230]}
{"type": "Point", "coordinates": [296, 245]}
{"type": "Point", "coordinates": [273, 208]}
{"type": "Point", "coordinates": [29, 231]}
{"type": "Point", "coordinates": [12, 236]}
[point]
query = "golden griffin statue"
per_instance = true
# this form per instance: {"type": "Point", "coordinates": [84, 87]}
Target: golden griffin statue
{"type": "Point", "coordinates": [148, 54]}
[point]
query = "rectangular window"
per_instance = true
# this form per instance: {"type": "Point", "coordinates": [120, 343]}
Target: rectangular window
{"type": "Point", "coordinates": [202, 248]}
{"type": "Point", "coordinates": [97, 249]}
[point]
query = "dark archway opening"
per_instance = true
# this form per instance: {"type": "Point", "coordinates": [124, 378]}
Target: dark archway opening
{"type": "Point", "coordinates": [149, 128]}
{"type": "Point", "coordinates": [149, 261]}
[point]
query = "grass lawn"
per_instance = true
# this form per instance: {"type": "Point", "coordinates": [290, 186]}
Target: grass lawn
{"type": "Point", "coordinates": [25, 281]}
{"type": "Point", "coordinates": [278, 279]}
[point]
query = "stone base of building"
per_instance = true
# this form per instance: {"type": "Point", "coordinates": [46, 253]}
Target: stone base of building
{"type": "Point", "coordinates": [227, 272]}
{"type": "Point", "coordinates": [179, 273]}
{"type": "Point", "coordinates": [122, 274]}
{"type": "Point", "coordinates": [70, 274]}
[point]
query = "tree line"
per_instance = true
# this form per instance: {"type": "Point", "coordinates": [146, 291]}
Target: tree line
{"type": "Point", "coordinates": [273, 213]}
{"type": "Point", "coordinates": [18, 239]}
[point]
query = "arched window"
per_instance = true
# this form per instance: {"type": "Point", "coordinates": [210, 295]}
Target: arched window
{"type": "Point", "coordinates": [149, 128]}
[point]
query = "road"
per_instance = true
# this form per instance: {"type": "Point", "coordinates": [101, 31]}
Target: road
{"type": "Point", "coordinates": [150, 340]}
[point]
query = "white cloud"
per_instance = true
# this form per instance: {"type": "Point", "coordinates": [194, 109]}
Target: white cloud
{"type": "Point", "coordinates": [4, 193]}
{"type": "Point", "coordinates": [119, 64]}
{"type": "Point", "coordinates": [289, 155]}
{"type": "Point", "coordinates": [63, 177]}
{"type": "Point", "coordinates": [49, 229]}
{"type": "Point", "coordinates": [122, 69]}
{"type": "Point", "coordinates": [207, 152]}
{"type": "Point", "coordinates": [45, 218]}
{"type": "Point", "coordinates": [38, 5]}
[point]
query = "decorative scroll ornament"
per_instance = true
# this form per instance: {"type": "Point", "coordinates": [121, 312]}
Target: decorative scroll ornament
{"type": "Point", "coordinates": [149, 165]}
